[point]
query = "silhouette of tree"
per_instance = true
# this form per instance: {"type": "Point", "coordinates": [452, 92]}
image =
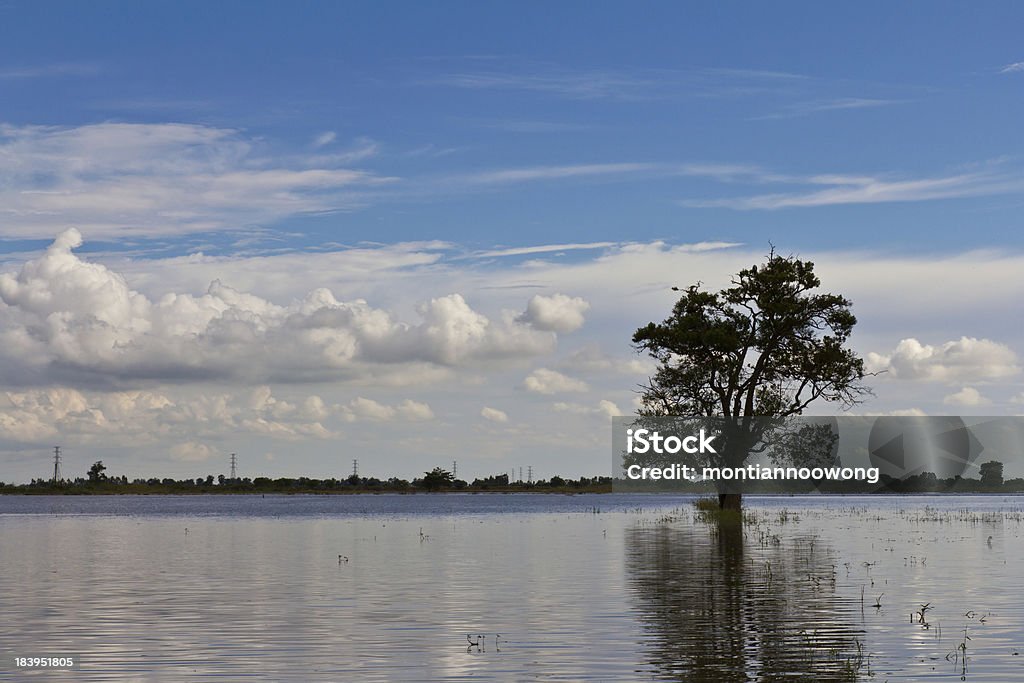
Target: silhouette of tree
{"type": "Point", "coordinates": [96, 472]}
{"type": "Point", "coordinates": [992, 473]}
{"type": "Point", "coordinates": [437, 478]}
{"type": "Point", "coordinates": [768, 346]}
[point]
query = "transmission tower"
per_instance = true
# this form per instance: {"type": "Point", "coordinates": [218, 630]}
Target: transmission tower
{"type": "Point", "coordinates": [455, 469]}
{"type": "Point", "coordinates": [520, 473]}
{"type": "Point", "coordinates": [355, 468]}
{"type": "Point", "coordinates": [56, 464]}
{"type": "Point", "coordinates": [234, 474]}
{"type": "Point", "coordinates": [529, 474]}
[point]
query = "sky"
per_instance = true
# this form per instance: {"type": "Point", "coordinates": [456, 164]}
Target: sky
{"type": "Point", "coordinates": [412, 234]}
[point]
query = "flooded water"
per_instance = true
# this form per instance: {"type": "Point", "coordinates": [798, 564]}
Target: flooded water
{"type": "Point", "coordinates": [578, 587]}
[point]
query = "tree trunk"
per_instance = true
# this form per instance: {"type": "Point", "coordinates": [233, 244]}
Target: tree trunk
{"type": "Point", "coordinates": [730, 501]}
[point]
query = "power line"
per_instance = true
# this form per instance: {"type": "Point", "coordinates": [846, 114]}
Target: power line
{"type": "Point", "coordinates": [56, 464]}
{"type": "Point", "coordinates": [234, 475]}
{"type": "Point", "coordinates": [355, 467]}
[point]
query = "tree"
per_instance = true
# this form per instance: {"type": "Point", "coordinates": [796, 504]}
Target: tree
{"type": "Point", "coordinates": [768, 346]}
{"type": "Point", "coordinates": [992, 473]}
{"type": "Point", "coordinates": [96, 472]}
{"type": "Point", "coordinates": [437, 478]}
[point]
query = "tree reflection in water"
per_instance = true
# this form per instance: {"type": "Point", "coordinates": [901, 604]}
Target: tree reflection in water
{"type": "Point", "coordinates": [728, 602]}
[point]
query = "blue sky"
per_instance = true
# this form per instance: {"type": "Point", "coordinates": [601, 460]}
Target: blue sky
{"type": "Point", "coordinates": [898, 94]}
{"type": "Point", "coordinates": [400, 153]}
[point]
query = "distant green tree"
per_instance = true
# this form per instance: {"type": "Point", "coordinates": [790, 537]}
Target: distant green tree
{"type": "Point", "coordinates": [437, 478]}
{"type": "Point", "coordinates": [992, 473]}
{"type": "Point", "coordinates": [557, 481]}
{"type": "Point", "coordinates": [96, 472]}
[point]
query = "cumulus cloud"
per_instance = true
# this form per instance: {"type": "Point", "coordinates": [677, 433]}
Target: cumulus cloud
{"type": "Point", "coordinates": [591, 358]}
{"type": "Point", "coordinates": [967, 358]}
{"type": "Point", "coordinates": [545, 381]}
{"type": "Point", "coordinates": [367, 409]}
{"type": "Point", "coordinates": [968, 396]}
{"type": "Point", "coordinates": [63, 317]}
{"type": "Point", "coordinates": [192, 451]}
{"type": "Point", "coordinates": [557, 313]}
{"type": "Point", "coordinates": [604, 408]}
{"type": "Point", "coordinates": [144, 417]}
{"type": "Point", "coordinates": [493, 414]}
{"type": "Point", "coordinates": [117, 179]}
{"type": "Point", "coordinates": [906, 412]}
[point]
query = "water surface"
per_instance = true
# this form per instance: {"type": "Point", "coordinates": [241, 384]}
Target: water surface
{"type": "Point", "coordinates": [588, 587]}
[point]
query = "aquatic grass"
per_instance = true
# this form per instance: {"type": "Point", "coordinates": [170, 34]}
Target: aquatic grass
{"type": "Point", "coordinates": [706, 505]}
{"type": "Point", "coordinates": [959, 655]}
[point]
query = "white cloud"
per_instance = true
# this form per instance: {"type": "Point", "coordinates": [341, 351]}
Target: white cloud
{"type": "Point", "coordinates": [584, 84]}
{"type": "Point", "coordinates": [870, 190]}
{"type": "Point", "coordinates": [609, 409]}
{"type": "Point", "coordinates": [65, 317]}
{"type": "Point", "coordinates": [964, 359]}
{"type": "Point", "coordinates": [525, 175]}
{"type": "Point", "coordinates": [968, 396]}
{"type": "Point", "coordinates": [557, 313]}
{"type": "Point", "coordinates": [192, 451]}
{"type": "Point", "coordinates": [325, 138]}
{"type": "Point", "coordinates": [367, 409]}
{"type": "Point", "coordinates": [67, 305]}
{"type": "Point", "coordinates": [414, 410]}
{"type": "Point", "coordinates": [604, 408]}
{"type": "Point", "coordinates": [798, 109]}
{"type": "Point", "coordinates": [565, 83]}
{"type": "Point", "coordinates": [119, 179]}
{"type": "Point", "coordinates": [545, 381]}
{"type": "Point", "coordinates": [145, 417]}
{"type": "Point", "coordinates": [591, 358]}
{"type": "Point", "coordinates": [543, 249]}
{"type": "Point", "coordinates": [906, 412]}
{"type": "Point", "coordinates": [1015, 67]}
{"type": "Point", "coordinates": [493, 414]}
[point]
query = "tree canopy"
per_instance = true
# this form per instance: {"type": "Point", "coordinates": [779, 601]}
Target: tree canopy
{"type": "Point", "coordinates": [437, 478]}
{"type": "Point", "coordinates": [97, 472]}
{"type": "Point", "coordinates": [767, 346]}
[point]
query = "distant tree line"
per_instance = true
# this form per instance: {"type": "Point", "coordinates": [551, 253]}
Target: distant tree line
{"type": "Point", "coordinates": [97, 481]}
